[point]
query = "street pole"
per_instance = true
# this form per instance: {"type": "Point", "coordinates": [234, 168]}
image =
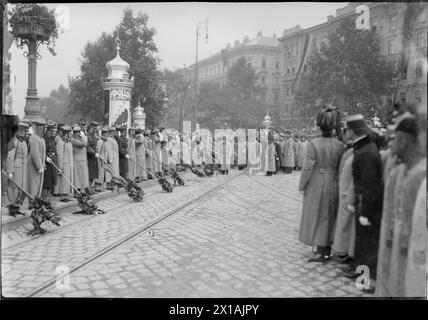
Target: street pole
{"type": "Point", "coordinates": [196, 80]}
{"type": "Point", "coordinates": [200, 24]}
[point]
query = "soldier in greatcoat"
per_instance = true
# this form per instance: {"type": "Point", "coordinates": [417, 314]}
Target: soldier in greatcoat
{"type": "Point", "coordinates": [92, 160]}
{"type": "Point", "coordinates": [156, 153]}
{"type": "Point", "coordinates": [132, 167]}
{"type": "Point", "coordinates": [122, 144]}
{"type": "Point", "coordinates": [393, 254]}
{"type": "Point", "coordinates": [149, 153]}
{"type": "Point", "coordinates": [185, 155]}
{"type": "Point", "coordinates": [288, 153]}
{"type": "Point", "coordinates": [36, 161]}
{"type": "Point", "coordinates": [50, 174]}
{"type": "Point", "coordinates": [64, 151]}
{"type": "Point", "coordinates": [140, 155]}
{"type": "Point", "coordinates": [271, 157]}
{"type": "Point", "coordinates": [80, 160]}
{"type": "Point", "coordinates": [16, 167]}
{"type": "Point", "coordinates": [111, 141]}
{"type": "Point", "coordinates": [105, 156]}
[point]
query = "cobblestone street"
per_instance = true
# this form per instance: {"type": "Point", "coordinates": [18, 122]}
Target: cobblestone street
{"type": "Point", "coordinates": [238, 241]}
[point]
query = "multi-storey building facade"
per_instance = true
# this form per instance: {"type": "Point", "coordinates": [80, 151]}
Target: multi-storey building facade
{"type": "Point", "coordinates": [403, 33]}
{"type": "Point", "coordinates": [262, 53]}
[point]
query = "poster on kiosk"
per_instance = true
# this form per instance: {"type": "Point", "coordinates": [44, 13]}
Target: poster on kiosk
{"type": "Point", "coordinates": [119, 104]}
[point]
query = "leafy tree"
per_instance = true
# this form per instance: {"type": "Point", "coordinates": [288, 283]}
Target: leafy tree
{"type": "Point", "coordinates": [138, 49]}
{"type": "Point", "coordinates": [181, 98]}
{"type": "Point", "coordinates": [236, 102]}
{"type": "Point", "coordinates": [57, 104]}
{"type": "Point", "coordinates": [348, 72]}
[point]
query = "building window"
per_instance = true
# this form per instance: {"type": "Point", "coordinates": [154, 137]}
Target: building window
{"type": "Point", "coordinates": [288, 70]}
{"type": "Point", "coordinates": [393, 22]}
{"type": "Point", "coordinates": [422, 17]}
{"type": "Point", "coordinates": [263, 78]}
{"type": "Point", "coordinates": [276, 64]}
{"type": "Point", "coordinates": [288, 53]}
{"type": "Point", "coordinates": [418, 72]}
{"type": "Point", "coordinates": [263, 63]}
{"type": "Point", "coordinates": [418, 97]}
{"type": "Point", "coordinates": [391, 46]}
{"type": "Point", "coordinates": [276, 81]}
{"type": "Point", "coordinates": [403, 97]}
{"type": "Point", "coordinates": [276, 97]}
{"type": "Point", "coordinates": [373, 24]}
{"type": "Point", "coordinates": [295, 52]}
{"type": "Point", "coordinates": [292, 70]}
{"type": "Point", "coordinates": [263, 96]}
{"type": "Point", "coordinates": [292, 89]}
{"type": "Point", "coordinates": [420, 40]}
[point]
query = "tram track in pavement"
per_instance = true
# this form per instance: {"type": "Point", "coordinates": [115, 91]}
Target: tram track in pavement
{"type": "Point", "coordinates": [273, 190]}
{"type": "Point", "coordinates": [44, 287]}
{"type": "Point", "coordinates": [81, 219]}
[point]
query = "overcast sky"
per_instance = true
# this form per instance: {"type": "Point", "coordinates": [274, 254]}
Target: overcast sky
{"type": "Point", "coordinates": [175, 24]}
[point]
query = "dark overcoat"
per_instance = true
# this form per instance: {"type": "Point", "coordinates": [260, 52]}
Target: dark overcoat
{"type": "Point", "coordinates": [367, 176]}
{"type": "Point", "coordinates": [92, 160]}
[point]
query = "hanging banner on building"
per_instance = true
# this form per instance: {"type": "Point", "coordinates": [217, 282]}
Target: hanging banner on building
{"type": "Point", "coordinates": [119, 107]}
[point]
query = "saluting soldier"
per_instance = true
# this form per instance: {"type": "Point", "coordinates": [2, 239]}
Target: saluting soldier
{"type": "Point", "coordinates": [64, 151]}
{"type": "Point", "coordinates": [16, 166]}
{"type": "Point", "coordinates": [80, 160]}
{"type": "Point", "coordinates": [104, 154]}
{"type": "Point", "coordinates": [36, 160]}
{"type": "Point", "coordinates": [132, 167]}
{"type": "Point", "coordinates": [92, 160]}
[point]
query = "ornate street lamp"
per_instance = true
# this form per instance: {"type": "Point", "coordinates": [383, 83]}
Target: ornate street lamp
{"type": "Point", "coordinates": [33, 25]}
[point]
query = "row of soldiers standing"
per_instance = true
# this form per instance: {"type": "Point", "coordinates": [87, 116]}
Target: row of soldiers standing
{"type": "Point", "coordinates": [50, 159]}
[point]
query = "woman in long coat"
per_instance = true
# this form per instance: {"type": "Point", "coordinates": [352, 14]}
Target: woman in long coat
{"type": "Point", "coordinates": [64, 151]}
{"type": "Point", "coordinates": [80, 162]}
{"type": "Point", "coordinates": [319, 181]}
{"type": "Point", "coordinates": [344, 234]}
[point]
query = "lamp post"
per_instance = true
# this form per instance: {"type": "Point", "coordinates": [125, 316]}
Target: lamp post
{"type": "Point", "coordinates": [201, 24]}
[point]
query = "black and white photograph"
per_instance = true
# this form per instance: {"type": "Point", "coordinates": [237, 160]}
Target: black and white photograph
{"type": "Point", "coordinates": [214, 150]}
